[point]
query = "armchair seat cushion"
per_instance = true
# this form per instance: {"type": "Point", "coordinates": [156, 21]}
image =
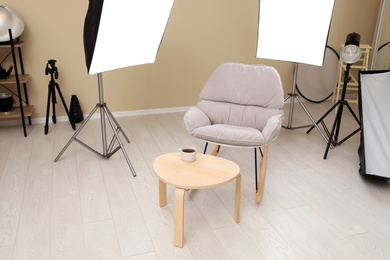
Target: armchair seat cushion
{"type": "Point", "coordinates": [230, 135]}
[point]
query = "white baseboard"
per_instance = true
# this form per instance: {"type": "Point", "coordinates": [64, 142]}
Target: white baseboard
{"type": "Point", "coordinates": [42, 120]}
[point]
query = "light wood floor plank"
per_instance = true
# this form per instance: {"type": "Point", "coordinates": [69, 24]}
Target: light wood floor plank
{"type": "Point", "coordinates": [41, 155]}
{"type": "Point", "coordinates": [295, 235]}
{"type": "Point", "coordinates": [93, 196]}
{"type": "Point", "coordinates": [148, 256]}
{"type": "Point", "coordinates": [326, 234]}
{"type": "Point", "coordinates": [12, 189]}
{"type": "Point", "coordinates": [144, 140]}
{"type": "Point", "coordinates": [159, 222]}
{"type": "Point", "coordinates": [160, 134]}
{"type": "Point", "coordinates": [261, 233]}
{"type": "Point", "coordinates": [372, 245]}
{"type": "Point", "coordinates": [6, 144]}
{"type": "Point", "coordinates": [198, 236]}
{"type": "Point", "coordinates": [213, 211]}
{"type": "Point", "coordinates": [67, 237]}
{"type": "Point", "coordinates": [6, 252]}
{"type": "Point", "coordinates": [65, 180]}
{"type": "Point", "coordinates": [33, 237]}
{"type": "Point", "coordinates": [329, 204]}
{"type": "Point", "coordinates": [237, 244]}
{"type": "Point", "coordinates": [100, 241]}
{"type": "Point", "coordinates": [133, 236]}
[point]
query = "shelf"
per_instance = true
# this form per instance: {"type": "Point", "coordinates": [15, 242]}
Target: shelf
{"type": "Point", "coordinates": [355, 84]}
{"type": "Point", "coordinates": [17, 44]}
{"type": "Point", "coordinates": [18, 78]}
{"type": "Point", "coordinates": [23, 78]}
{"type": "Point", "coordinates": [15, 113]}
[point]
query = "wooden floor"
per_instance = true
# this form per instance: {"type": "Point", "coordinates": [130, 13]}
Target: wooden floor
{"type": "Point", "coordinates": [85, 207]}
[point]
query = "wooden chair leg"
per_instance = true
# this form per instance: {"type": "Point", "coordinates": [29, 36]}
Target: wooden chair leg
{"type": "Point", "coordinates": [263, 169]}
{"type": "Point", "coordinates": [216, 150]}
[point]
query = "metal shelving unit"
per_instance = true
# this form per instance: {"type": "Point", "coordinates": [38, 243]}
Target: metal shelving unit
{"type": "Point", "coordinates": [23, 110]}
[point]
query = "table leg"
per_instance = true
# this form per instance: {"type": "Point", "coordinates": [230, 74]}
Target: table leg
{"type": "Point", "coordinates": [238, 199]}
{"type": "Point", "coordinates": [162, 193]}
{"type": "Point", "coordinates": [179, 218]}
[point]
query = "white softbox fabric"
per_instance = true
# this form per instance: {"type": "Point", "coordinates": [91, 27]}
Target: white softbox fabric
{"type": "Point", "coordinates": [374, 97]}
{"type": "Point", "coordinates": [129, 33]}
{"type": "Point", "coordinates": [295, 31]}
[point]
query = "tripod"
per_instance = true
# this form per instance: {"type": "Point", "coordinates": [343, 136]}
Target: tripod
{"type": "Point", "coordinates": [52, 94]}
{"type": "Point", "coordinates": [334, 134]}
{"type": "Point", "coordinates": [294, 96]}
{"type": "Point", "coordinates": [105, 113]}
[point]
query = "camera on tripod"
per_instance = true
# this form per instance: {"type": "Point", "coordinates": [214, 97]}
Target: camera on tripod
{"type": "Point", "coordinates": [53, 69]}
{"type": "Point", "coordinates": [52, 87]}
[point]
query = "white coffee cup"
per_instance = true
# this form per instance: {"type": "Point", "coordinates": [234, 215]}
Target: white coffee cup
{"type": "Point", "coordinates": [188, 153]}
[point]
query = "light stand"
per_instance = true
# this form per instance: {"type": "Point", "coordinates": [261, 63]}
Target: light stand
{"type": "Point", "coordinates": [141, 24]}
{"type": "Point", "coordinates": [349, 54]}
{"type": "Point", "coordinates": [109, 150]}
{"type": "Point", "coordinates": [284, 34]}
{"type": "Point", "coordinates": [294, 96]}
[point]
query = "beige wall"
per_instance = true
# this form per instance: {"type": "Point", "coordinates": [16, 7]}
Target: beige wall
{"type": "Point", "coordinates": [201, 34]}
{"type": "Point", "coordinates": [385, 34]}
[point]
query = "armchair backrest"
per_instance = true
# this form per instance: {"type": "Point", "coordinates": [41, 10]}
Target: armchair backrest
{"type": "Point", "coordinates": [242, 95]}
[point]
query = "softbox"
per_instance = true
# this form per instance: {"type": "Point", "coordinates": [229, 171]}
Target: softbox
{"type": "Point", "coordinates": [295, 31]}
{"type": "Point", "coordinates": [374, 96]}
{"type": "Point", "coordinates": [119, 34]}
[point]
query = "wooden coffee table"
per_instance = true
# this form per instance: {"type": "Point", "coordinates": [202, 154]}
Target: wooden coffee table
{"type": "Point", "coordinates": [206, 172]}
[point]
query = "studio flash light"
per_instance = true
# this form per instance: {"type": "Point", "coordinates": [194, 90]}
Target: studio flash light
{"type": "Point", "coordinates": [351, 52]}
{"type": "Point", "coordinates": [10, 20]}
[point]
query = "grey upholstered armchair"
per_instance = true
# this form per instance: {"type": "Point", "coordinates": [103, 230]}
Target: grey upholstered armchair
{"type": "Point", "coordinates": [240, 105]}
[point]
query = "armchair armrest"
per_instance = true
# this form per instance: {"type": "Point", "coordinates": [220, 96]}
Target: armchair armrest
{"type": "Point", "coordinates": [195, 118]}
{"type": "Point", "coordinates": [272, 128]}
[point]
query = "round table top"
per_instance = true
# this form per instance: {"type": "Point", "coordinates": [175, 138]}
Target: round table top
{"type": "Point", "coordinates": [205, 172]}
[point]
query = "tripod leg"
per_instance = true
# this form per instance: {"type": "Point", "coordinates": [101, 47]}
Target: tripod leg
{"type": "Point", "coordinates": [76, 133]}
{"type": "Point", "coordinates": [340, 115]}
{"type": "Point", "coordinates": [356, 119]}
{"type": "Point", "coordinates": [323, 117]}
{"type": "Point", "coordinates": [66, 108]}
{"type": "Point", "coordinates": [329, 142]}
{"type": "Point", "coordinates": [46, 129]}
{"type": "Point", "coordinates": [54, 102]}
{"type": "Point", "coordinates": [336, 124]}
{"type": "Point", "coordinates": [311, 118]}
{"type": "Point", "coordinates": [113, 125]}
{"type": "Point", "coordinates": [290, 116]}
{"type": "Point", "coordinates": [292, 95]}
{"type": "Point", "coordinates": [353, 113]}
{"type": "Point", "coordinates": [117, 124]}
